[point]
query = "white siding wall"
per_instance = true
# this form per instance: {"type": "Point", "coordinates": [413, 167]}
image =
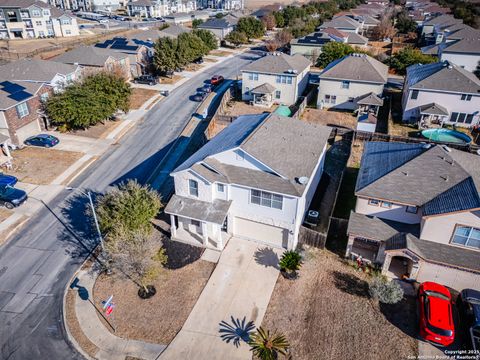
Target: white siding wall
{"type": "Point", "coordinates": [238, 157]}
{"type": "Point", "coordinates": [467, 61]}
{"type": "Point", "coordinates": [205, 192]}
{"type": "Point", "coordinates": [454, 278]}
{"type": "Point", "coordinates": [334, 87]}
{"type": "Point", "coordinates": [440, 228]}
{"type": "Point", "coordinates": [307, 51]}
{"type": "Point", "coordinates": [396, 212]}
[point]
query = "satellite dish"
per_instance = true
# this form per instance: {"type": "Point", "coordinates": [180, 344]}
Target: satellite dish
{"type": "Point", "coordinates": [303, 180]}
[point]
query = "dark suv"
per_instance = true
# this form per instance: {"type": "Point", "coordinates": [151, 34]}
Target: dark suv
{"type": "Point", "coordinates": [11, 197]}
{"type": "Point", "coordinates": [146, 79]}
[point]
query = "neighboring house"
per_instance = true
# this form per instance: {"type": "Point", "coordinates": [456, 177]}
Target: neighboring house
{"type": "Point", "coordinates": [93, 59]}
{"type": "Point", "coordinates": [105, 5]}
{"type": "Point", "coordinates": [344, 24]}
{"type": "Point", "coordinates": [179, 18]}
{"type": "Point", "coordinates": [24, 19]}
{"type": "Point", "coordinates": [368, 22]}
{"type": "Point", "coordinates": [275, 78]}
{"type": "Point", "coordinates": [222, 4]}
{"type": "Point", "coordinates": [441, 93]}
{"type": "Point", "coordinates": [418, 213]}
{"type": "Point", "coordinates": [464, 53]}
{"type": "Point", "coordinates": [24, 86]}
{"type": "Point", "coordinates": [220, 27]}
{"type": "Point", "coordinates": [432, 24]}
{"type": "Point", "coordinates": [148, 8]}
{"type": "Point", "coordinates": [311, 45]}
{"type": "Point", "coordinates": [238, 185]}
{"type": "Point", "coordinates": [354, 82]}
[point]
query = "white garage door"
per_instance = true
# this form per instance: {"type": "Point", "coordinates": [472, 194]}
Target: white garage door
{"type": "Point", "coordinates": [456, 279]}
{"type": "Point", "coordinates": [273, 235]}
{"type": "Point", "coordinates": [28, 130]}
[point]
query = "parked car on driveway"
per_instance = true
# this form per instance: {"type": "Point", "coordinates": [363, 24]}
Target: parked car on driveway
{"type": "Point", "coordinates": [11, 197]}
{"type": "Point", "coordinates": [199, 96]}
{"type": "Point", "coordinates": [216, 80]}
{"type": "Point", "coordinates": [469, 306]}
{"type": "Point", "coordinates": [146, 79]}
{"type": "Point", "coordinates": [435, 310]}
{"type": "Point", "coordinates": [43, 140]}
{"type": "Point", "coordinates": [7, 180]}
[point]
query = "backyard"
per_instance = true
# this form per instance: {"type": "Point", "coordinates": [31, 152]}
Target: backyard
{"type": "Point", "coordinates": [327, 311]}
{"type": "Point", "coordinates": [331, 118]}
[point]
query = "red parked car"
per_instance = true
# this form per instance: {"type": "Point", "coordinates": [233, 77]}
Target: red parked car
{"type": "Point", "coordinates": [436, 318]}
{"type": "Point", "coordinates": [216, 80]}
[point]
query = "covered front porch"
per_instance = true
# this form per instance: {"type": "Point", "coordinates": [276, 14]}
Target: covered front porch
{"type": "Point", "coordinates": [199, 223]}
{"type": "Point", "coordinates": [401, 258]}
{"type": "Point", "coordinates": [263, 95]}
{"type": "Point", "coordinates": [368, 104]}
{"type": "Point", "coordinates": [432, 115]}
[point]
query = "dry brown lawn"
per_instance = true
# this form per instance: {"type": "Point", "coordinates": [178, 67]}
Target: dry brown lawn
{"type": "Point", "coordinates": [99, 131]}
{"type": "Point", "coordinates": [326, 314]}
{"type": "Point", "coordinates": [4, 214]}
{"type": "Point", "coordinates": [356, 154]}
{"type": "Point", "coordinates": [41, 166]}
{"type": "Point", "coordinates": [170, 80]}
{"type": "Point", "coordinates": [193, 67]}
{"type": "Point", "coordinates": [159, 318]}
{"type": "Point", "coordinates": [206, 59]}
{"type": "Point", "coordinates": [331, 118]}
{"type": "Point", "coordinates": [220, 53]}
{"type": "Point", "coordinates": [140, 96]}
{"type": "Point", "coordinates": [237, 108]}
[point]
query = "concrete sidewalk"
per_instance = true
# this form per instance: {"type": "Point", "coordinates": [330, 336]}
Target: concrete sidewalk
{"type": "Point", "coordinates": [111, 347]}
{"type": "Point", "coordinates": [239, 288]}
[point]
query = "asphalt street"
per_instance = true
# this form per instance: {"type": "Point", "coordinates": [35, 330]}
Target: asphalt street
{"type": "Point", "coordinates": [37, 264]}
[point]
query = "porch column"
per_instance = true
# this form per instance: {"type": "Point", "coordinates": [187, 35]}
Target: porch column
{"type": "Point", "coordinates": [349, 246]}
{"type": "Point", "coordinates": [386, 263]}
{"type": "Point", "coordinates": [173, 228]}
{"type": "Point", "coordinates": [381, 253]}
{"type": "Point", "coordinates": [219, 238]}
{"type": "Point", "coordinates": [204, 233]}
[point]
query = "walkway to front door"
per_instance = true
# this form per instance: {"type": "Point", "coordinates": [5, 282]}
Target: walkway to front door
{"type": "Point", "coordinates": [238, 292]}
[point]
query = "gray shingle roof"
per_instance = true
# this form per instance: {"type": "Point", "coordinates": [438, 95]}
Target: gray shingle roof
{"type": "Point", "coordinates": [22, 3]}
{"type": "Point", "coordinates": [369, 99]}
{"type": "Point", "coordinates": [215, 24]}
{"type": "Point", "coordinates": [263, 89]}
{"type": "Point", "coordinates": [343, 22]}
{"type": "Point", "coordinates": [415, 175]}
{"type": "Point", "coordinates": [89, 56]}
{"type": "Point", "coordinates": [433, 109]}
{"type": "Point", "coordinates": [279, 63]}
{"type": "Point", "coordinates": [14, 92]}
{"type": "Point", "coordinates": [442, 20]}
{"type": "Point", "coordinates": [465, 45]}
{"type": "Point", "coordinates": [356, 67]}
{"type": "Point", "coordinates": [356, 39]}
{"type": "Point", "coordinates": [213, 212]}
{"type": "Point", "coordinates": [262, 136]}
{"type": "Point", "coordinates": [436, 252]}
{"type": "Point", "coordinates": [444, 76]}
{"type": "Point", "coordinates": [35, 70]}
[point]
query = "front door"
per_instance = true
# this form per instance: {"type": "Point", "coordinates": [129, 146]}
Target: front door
{"type": "Point", "coordinates": [225, 225]}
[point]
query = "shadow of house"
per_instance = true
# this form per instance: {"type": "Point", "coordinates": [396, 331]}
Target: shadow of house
{"type": "Point", "coordinates": [237, 331]}
{"type": "Point", "coordinates": [350, 284]}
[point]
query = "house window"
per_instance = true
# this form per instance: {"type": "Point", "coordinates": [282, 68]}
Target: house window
{"type": "Point", "coordinates": [345, 84]}
{"type": "Point", "coordinates": [333, 99]}
{"type": "Point", "coordinates": [461, 118]}
{"type": "Point", "coordinates": [247, 90]}
{"type": "Point", "coordinates": [267, 199]}
{"type": "Point", "coordinates": [327, 99]}
{"type": "Point", "coordinates": [283, 79]}
{"type": "Point", "coordinates": [386, 204]}
{"type": "Point", "coordinates": [44, 97]}
{"type": "Point", "coordinates": [22, 110]}
{"type": "Point", "coordinates": [38, 23]}
{"type": "Point", "coordinates": [253, 76]}
{"type": "Point", "coordinates": [193, 187]}
{"type": "Point", "coordinates": [46, 12]}
{"type": "Point", "coordinates": [195, 222]}
{"type": "Point", "coordinates": [68, 32]}
{"type": "Point", "coordinates": [65, 22]}
{"type": "Point", "coordinates": [373, 202]}
{"type": "Point", "coordinates": [411, 209]}
{"type": "Point", "coordinates": [35, 13]}
{"type": "Point", "coordinates": [414, 95]}
{"type": "Point", "coordinates": [220, 188]}
{"type": "Point", "coordinates": [277, 94]}
{"type": "Point", "coordinates": [466, 236]}
{"type": "Point", "coordinates": [466, 97]}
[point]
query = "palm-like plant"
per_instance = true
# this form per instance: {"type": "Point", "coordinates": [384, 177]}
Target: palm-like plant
{"type": "Point", "coordinates": [291, 261]}
{"type": "Point", "coordinates": [267, 346]}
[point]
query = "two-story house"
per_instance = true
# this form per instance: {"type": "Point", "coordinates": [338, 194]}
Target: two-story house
{"type": "Point", "coordinates": [463, 52]}
{"type": "Point", "coordinates": [418, 213]}
{"type": "Point", "coordinates": [148, 8]}
{"type": "Point", "coordinates": [441, 93]}
{"type": "Point", "coordinates": [354, 82]}
{"type": "Point", "coordinates": [344, 23]}
{"type": "Point", "coordinates": [25, 85]}
{"type": "Point", "coordinates": [219, 27]}
{"type": "Point", "coordinates": [238, 184]}
{"type": "Point", "coordinates": [22, 19]}
{"type": "Point", "coordinates": [275, 78]}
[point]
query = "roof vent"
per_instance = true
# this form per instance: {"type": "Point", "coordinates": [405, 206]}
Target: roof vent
{"type": "Point", "coordinates": [303, 180]}
{"type": "Point", "coordinates": [445, 178]}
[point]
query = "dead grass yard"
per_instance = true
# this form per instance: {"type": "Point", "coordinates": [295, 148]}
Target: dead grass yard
{"type": "Point", "coordinates": [99, 131]}
{"type": "Point", "coordinates": [330, 118]}
{"type": "Point", "coordinates": [4, 214]}
{"type": "Point", "coordinates": [159, 318]}
{"type": "Point", "coordinates": [41, 166]}
{"type": "Point", "coordinates": [140, 96]}
{"type": "Point", "coordinates": [193, 67]}
{"type": "Point", "coordinates": [207, 59]}
{"type": "Point", "coordinates": [237, 108]}
{"type": "Point", "coordinates": [170, 80]}
{"type": "Point", "coordinates": [326, 314]}
{"type": "Point", "coordinates": [220, 53]}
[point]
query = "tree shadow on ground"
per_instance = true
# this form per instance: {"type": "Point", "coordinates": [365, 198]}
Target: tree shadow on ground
{"type": "Point", "coordinates": [402, 315]}
{"type": "Point", "coordinates": [237, 331]}
{"type": "Point", "coordinates": [350, 284]}
{"type": "Point", "coordinates": [179, 254]}
{"type": "Point", "coordinates": [266, 257]}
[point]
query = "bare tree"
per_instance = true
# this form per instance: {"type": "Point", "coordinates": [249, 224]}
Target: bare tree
{"type": "Point", "coordinates": [272, 45]}
{"type": "Point", "coordinates": [384, 29]}
{"type": "Point", "coordinates": [269, 21]}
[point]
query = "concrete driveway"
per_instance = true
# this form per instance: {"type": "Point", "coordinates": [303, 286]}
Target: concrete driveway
{"type": "Point", "coordinates": [237, 292]}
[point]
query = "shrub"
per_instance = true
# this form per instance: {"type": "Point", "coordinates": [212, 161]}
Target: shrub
{"type": "Point", "coordinates": [290, 261]}
{"type": "Point", "coordinates": [388, 292]}
{"type": "Point", "coordinates": [267, 346]}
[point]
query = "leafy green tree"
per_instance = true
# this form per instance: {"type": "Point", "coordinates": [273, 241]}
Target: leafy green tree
{"type": "Point", "coordinates": [189, 48]}
{"type": "Point", "coordinates": [388, 292]}
{"type": "Point", "coordinates": [409, 56]}
{"type": "Point", "coordinates": [128, 208]}
{"type": "Point", "coordinates": [268, 346]}
{"type": "Point", "coordinates": [333, 51]}
{"type": "Point", "coordinates": [251, 27]}
{"type": "Point", "coordinates": [207, 37]}
{"type": "Point", "coordinates": [236, 38]}
{"type": "Point", "coordinates": [196, 22]}
{"type": "Point", "coordinates": [279, 19]}
{"type": "Point", "coordinates": [165, 58]}
{"type": "Point", "coordinates": [405, 24]}
{"type": "Point", "coordinates": [84, 104]}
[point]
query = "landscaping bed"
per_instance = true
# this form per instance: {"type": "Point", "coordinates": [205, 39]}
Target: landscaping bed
{"type": "Point", "coordinates": [140, 96]}
{"type": "Point", "coordinates": [39, 166]}
{"type": "Point", "coordinates": [326, 313]}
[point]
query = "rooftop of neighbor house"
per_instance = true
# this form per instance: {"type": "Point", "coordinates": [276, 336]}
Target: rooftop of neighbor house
{"type": "Point", "coordinates": [443, 20]}
{"type": "Point", "coordinates": [14, 92]}
{"type": "Point", "coordinates": [140, 3]}
{"type": "Point", "coordinates": [436, 178]}
{"type": "Point", "coordinates": [34, 70]}
{"type": "Point", "coordinates": [148, 37]}
{"type": "Point", "coordinates": [23, 4]}
{"type": "Point", "coordinates": [216, 24]}
{"type": "Point", "coordinates": [89, 56]}
{"type": "Point", "coordinates": [364, 17]}
{"type": "Point", "coordinates": [341, 22]}
{"type": "Point", "coordinates": [444, 76]}
{"type": "Point", "coordinates": [279, 63]}
{"type": "Point", "coordinates": [461, 31]}
{"type": "Point", "coordinates": [356, 67]}
{"type": "Point", "coordinates": [258, 135]}
{"type": "Point", "coordinates": [328, 34]}
{"type": "Point", "coordinates": [469, 45]}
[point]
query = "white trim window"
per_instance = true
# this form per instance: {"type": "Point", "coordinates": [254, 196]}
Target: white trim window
{"type": "Point", "coordinates": [466, 236]}
{"type": "Point", "coordinates": [373, 202]}
{"type": "Point", "coordinates": [22, 110]}
{"type": "Point", "coordinates": [283, 79]}
{"type": "Point", "coordinates": [411, 209]}
{"type": "Point", "coordinates": [345, 84]}
{"type": "Point", "coordinates": [193, 187]}
{"type": "Point", "coordinates": [278, 94]}
{"type": "Point", "coordinates": [253, 76]}
{"type": "Point", "coordinates": [220, 188]}
{"type": "Point", "coordinates": [386, 204]}
{"type": "Point", "coordinates": [266, 199]}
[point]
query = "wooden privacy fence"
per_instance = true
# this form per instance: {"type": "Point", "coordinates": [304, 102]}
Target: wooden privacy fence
{"type": "Point", "coordinates": [311, 237]}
